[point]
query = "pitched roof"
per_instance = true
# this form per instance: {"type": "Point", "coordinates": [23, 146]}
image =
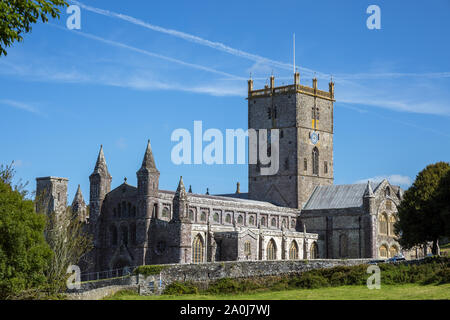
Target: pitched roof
{"type": "Point", "coordinates": [338, 196]}
{"type": "Point", "coordinates": [78, 199]}
{"type": "Point", "coordinates": [100, 165]}
{"type": "Point", "coordinates": [149, 162]}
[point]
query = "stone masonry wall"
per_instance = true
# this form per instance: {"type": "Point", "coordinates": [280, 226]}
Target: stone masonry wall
{"type": "Point", "coordinates": [235, 269]}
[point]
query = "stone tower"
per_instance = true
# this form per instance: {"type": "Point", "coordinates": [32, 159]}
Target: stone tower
{"type": "Point", "coordinates": [100, 185]}
{"type": "Point", "coordinates": [148, 184]}
{"type": "Point", "coordinates": [182, 225]}
{"type": "Point", "coordinates": [51, 194]}
{"type": "Point", "coordinates": [79, 206]}
{"type": "Point", "coordinates": [304, 117]}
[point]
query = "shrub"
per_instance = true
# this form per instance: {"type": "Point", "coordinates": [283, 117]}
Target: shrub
{"type": "Point", "coordinates": [149, 270]}
{"type": "Point", "coordinates": [311, 281]}
{"type": "Point", "coordinates": [224, 286]}
{"type": "Point", "coordinates": [179, 288]}
{"type": "Point", "coordinates": [440, 277]}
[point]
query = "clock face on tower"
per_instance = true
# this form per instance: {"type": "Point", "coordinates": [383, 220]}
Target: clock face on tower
{"type": "Point", "coordinates": [314, 137]}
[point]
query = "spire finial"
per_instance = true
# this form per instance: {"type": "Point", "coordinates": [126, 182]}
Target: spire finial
{"type": "Point", "coordinates": [368, 193]}
{"type": "Point", "coordinates": [148, 162]}
{"type": "Point", "coordinates": [100, 165]}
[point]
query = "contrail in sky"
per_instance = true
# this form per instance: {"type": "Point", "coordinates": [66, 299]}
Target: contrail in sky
{"type": "Point", "coordinates": [149, 53]}
{"type": "Point", "coordinates": [250, 56]}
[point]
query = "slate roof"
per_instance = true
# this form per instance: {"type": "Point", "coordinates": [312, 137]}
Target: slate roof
{"type": "Point", "coordinates": [338, 196]}
{"type": "Point", "coordinates": [231, 197]}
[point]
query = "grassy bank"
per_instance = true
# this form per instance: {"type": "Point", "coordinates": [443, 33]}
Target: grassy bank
{"type": "Point", "coordinates": [429, 279]}
{"type": "Point", "coordinates": [387, 292]}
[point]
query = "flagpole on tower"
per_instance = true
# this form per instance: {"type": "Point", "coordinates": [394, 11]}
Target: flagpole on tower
{"type": "Point", "coordinates": [294, 51]}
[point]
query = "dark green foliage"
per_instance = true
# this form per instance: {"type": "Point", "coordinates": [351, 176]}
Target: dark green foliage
{"type": "Point", "coordinates": [309, 281]}
{"type": "Point", "coordinates": [424, 211]}
{"type": "Point", "coordinates": [149, 270]}
{"type": "Point", "coordinates": [179, 288]}
{"type": "Point", "coordinates": [17, 16]}
{"type": "Point", "coordinates": [24, 254]}
{"type": "Point", "coordinates": [430, 270]}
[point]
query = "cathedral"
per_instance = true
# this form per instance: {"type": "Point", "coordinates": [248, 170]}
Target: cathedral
{"type": "Point", "coordinates": [297, 213]}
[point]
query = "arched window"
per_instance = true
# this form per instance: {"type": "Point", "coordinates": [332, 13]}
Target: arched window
{"type": "Point", "coordinates": [314, 251]}
{"type": "Point", "coordinates": [240, 219]}
{"type": "Point", "coordinates": [274, 222]}
{"type": "Point", "coordinates": [119, 210]}
{"type": "Point", "coordinates": [392, 222]}
{"type": "Point", "coordinates": [124, 208]}
{"type": "Point", "coordinates": [165, 212]}
{"type": "Point", "coordinates": [271, 250]}
{"type": "Point", "coordinates": [203, 216]}
{"type": "Point", "coordinates": [293, 223]}
{"type": "Point", "coordinates": [247, 249]}
{"type": "Point", "coordinates": [283, 224]}
{"type": "Point", "coordinates": [133, 233]}
{"type": "Point", "coordinates": [383, 252]}
{"type": "Point", "coordinates": [124, 235]}
{"type": "Point", "coordinates": [113, 231]}
{"type": "Point", "coordinates": [155, 211]}
{"type": "Point", "coordinates": [228, 218]}
{"type": "Point", "coordinates": [197, 250]}
{"type": "Point", "coordinates": [387, 191]}
{"type": "Point", "coordinates": [216, 217]}
{"type": "Point", "coordinates": [191, 215]}
{"type": "Point", "coordinates": [393, 251]}
{"type": "Point", "coordinates": [115, 212]}
{"type": "Point", "coordinates": [293, 251]}
{"type": "Point", "coordinates": [263, 221]}
{"type": "Point", "coordinates": [315, 160]}
{"type": "Point", "coordinates": [134, 211]}
{"type": "Point", "coordinates": [251, 220]}
{"type": "Point", "coordinates": [343, 246]}
{"type": "Point", "coordinates": [383, 224]}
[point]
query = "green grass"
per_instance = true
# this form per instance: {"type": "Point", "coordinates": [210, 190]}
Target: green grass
{"type": "Point", "coordinates": [387, 292]}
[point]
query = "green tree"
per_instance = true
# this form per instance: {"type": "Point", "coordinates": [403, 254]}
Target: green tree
{"type": "Point", "coordinates": [442, 203]}
{"type": "Point", "coordinates": [17, 16]}
{"type": "Point", "coordinates": [419, 220]}
{"type": "Point", "coordinates": [24, 253]}
{"type": "Point", "coordinates": [70, 242]}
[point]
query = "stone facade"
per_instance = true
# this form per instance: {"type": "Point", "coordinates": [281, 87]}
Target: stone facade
{"type": "Point", "coordinates": [295, 214]}
{"type": "Point", "coordinates": [298, 112]}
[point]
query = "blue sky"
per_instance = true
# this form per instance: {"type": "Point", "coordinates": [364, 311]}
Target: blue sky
{"type": "Point", "coordinates": [138, 70]}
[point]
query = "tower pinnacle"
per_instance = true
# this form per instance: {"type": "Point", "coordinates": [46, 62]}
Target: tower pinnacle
{"type": "Point", "coordinates": [181, 190]}
{"type": "Point", "coordinates": [368, 193]}
{"type": "Point", "coordinates": [149, 162]}
{"type": "Point", "coordinates": [100, 165]}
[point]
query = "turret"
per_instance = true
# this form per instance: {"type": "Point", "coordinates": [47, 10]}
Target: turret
{"type": "Point", "coordinates": [79, 208]}
{"type": "Point", "coordinates": [148, 185]}
{"type": "Point", "coordinates": [100, 185]}
{"type": "Point", "coordinates": [369, 199]}
{"type": "Point", "coordinates": [180, 201]}
{"type": "Point", "coordinates": [182, 225]}
{"type": "Point", "coordinates": [148, 175]}
{"type": "Point", "coordinates": [370, 221]}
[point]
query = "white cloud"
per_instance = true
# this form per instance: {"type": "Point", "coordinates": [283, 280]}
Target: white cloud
{"type": "Point", "coordinates": [19, 105]}
{"type": "Point", "coordinates": [394, 179]}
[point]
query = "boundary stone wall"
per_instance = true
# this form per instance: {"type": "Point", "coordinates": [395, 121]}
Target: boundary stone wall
{"type": "Point", "coordinates": [206, 272]}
